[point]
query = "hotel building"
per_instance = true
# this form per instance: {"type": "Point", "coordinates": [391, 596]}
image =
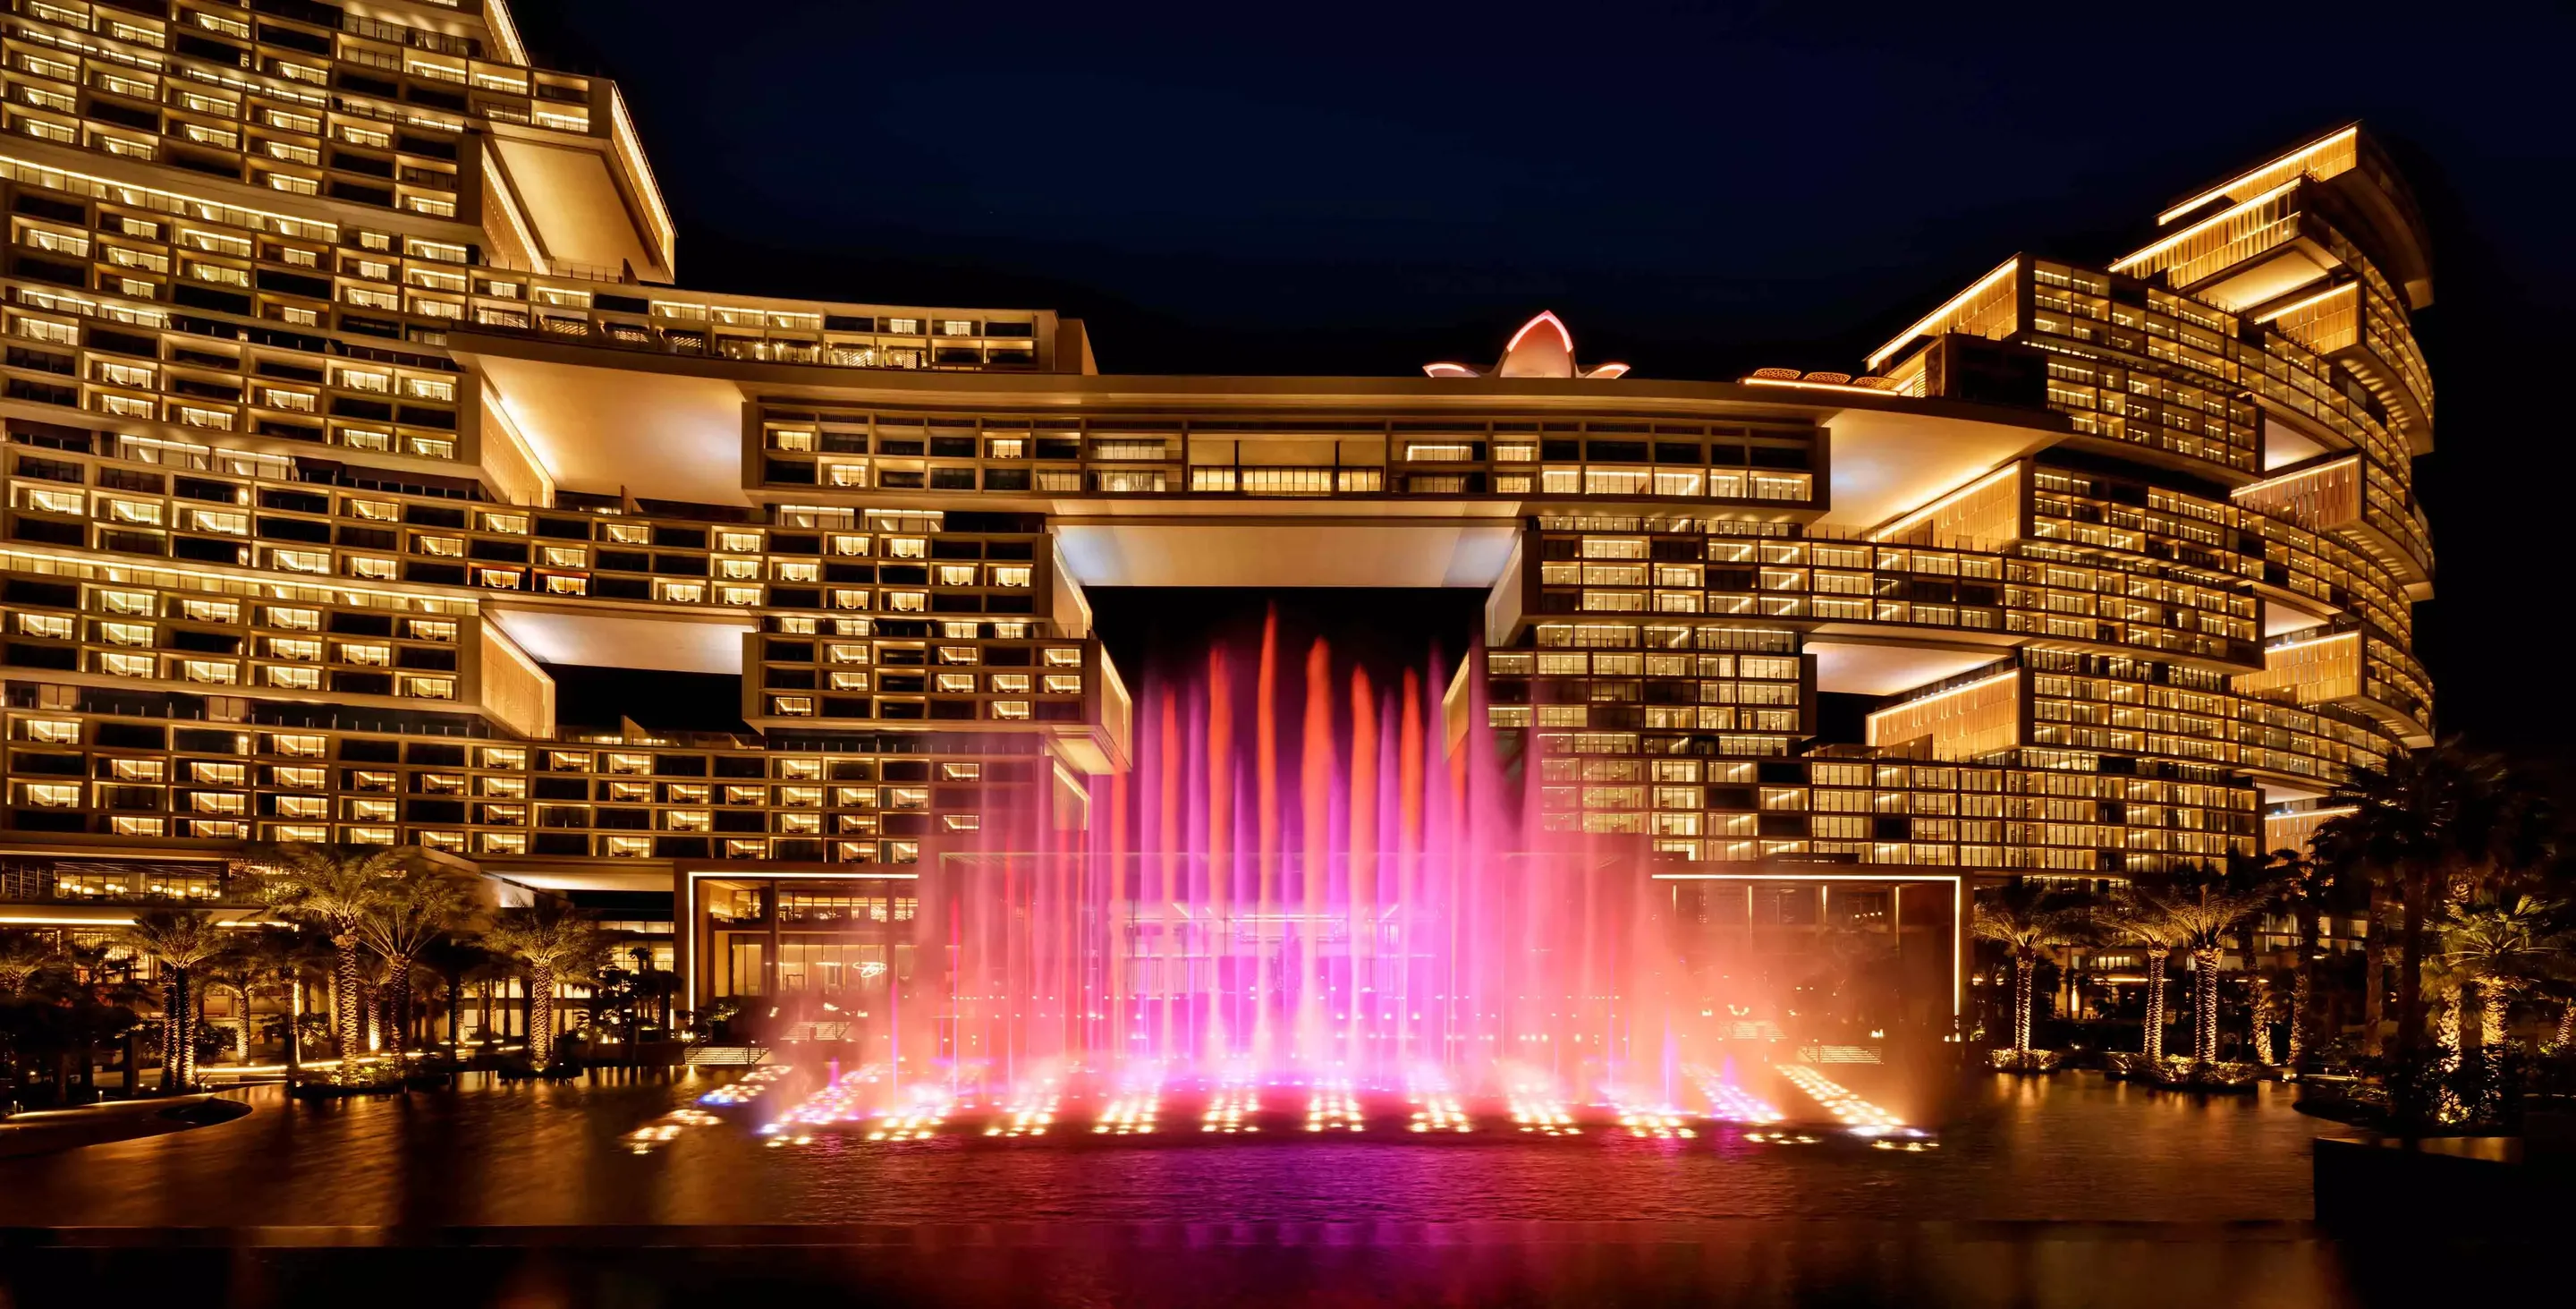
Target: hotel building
{"type": "Point", "coordinates": [349, 388]}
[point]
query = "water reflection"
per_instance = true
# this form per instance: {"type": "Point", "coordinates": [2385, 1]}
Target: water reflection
{"type": "Point", "coordinates": [2071, 1148]}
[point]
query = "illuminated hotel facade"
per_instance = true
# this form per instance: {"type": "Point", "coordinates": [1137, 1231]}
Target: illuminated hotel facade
{"type": "Point", "coordinates": [348, 387]}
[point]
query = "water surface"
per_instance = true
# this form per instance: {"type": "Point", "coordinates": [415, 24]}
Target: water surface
{"type": "Point", "coordinates": [2068, 1149]}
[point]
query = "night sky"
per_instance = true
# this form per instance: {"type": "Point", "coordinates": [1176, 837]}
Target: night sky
{"type": "Point", "coordinates": [1697, 190]}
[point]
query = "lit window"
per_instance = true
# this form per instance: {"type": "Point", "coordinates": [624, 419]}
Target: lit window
{"type": "Point", "coordinates": [52, 731]}
{"type": "Point", "coordinates": [212, 671]}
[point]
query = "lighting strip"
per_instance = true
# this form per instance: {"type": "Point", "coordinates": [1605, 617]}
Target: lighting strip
{"type": "Point", "coordinates": [2285, 310]}
{"type": "Point", "coordinates": [1976, 289]}
{"type": "Point", "coordinates": [496, 18]}
{"type": "Point", "coordinates": [2301, 155]}
{"type": "Point", "coordinates": [246, 576]}
{"type": "Point", "coordinates": [1946, 694]}
{"type": "Point", "coordinates": [2337, 812]}
{"type": "Point", "coordinates": [1547, 316]}
{"type": "Point", "coordinates": [2008, 470]}
{"type": "Point", "coordinates": [2270, 650]}
{"type": "Point", "coordinates": [1815, 386]}
{"type": "Point", "coordinates": [288, 224]}
{"type": "Point", "coordinates": [2124, 263]}
{"type": "Point", "coordinates": [2286, 479]}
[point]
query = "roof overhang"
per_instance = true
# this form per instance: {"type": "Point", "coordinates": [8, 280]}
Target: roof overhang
{"type": "Point", "coordinates": [649, 433]}
{"type": "Point", "coordinates": [710, 644]}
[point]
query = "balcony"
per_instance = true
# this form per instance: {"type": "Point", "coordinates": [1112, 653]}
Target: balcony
{"type": "Point", "coordinates": [2359, 501]}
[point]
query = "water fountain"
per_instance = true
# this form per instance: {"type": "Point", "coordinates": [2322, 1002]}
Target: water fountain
{"type": "Point", "coordinates": [1318, 901]}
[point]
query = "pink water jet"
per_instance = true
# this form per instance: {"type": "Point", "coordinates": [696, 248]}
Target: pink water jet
{"type": "Point", "coordinates": [1367, 899]}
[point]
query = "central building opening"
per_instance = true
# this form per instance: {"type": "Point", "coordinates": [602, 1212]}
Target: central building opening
{"type": "Point", "coordinates": [1327, 863]}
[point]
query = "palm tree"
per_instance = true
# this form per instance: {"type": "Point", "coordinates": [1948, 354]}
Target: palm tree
{"type": "Point", "coordinates": [25, 958]}
{"type": "Point", "coordinates": [236, 969]}
{"type": "Point", "coordinates": [2202, 918]}
{"type": "Point", "coordinates": [2271, 997]}
{"type": "Point", "coordinates": [2496, 948]}
{"type": "Point", "coordinates": [411, 911]}
{"type": "Point", "coordinates": [554, 941]}
{"type": "Point", "coordinates": [2139, 914]}
{"type": "Point", "coordinates": [457, 963]}
{"type": "Point", "coordinates": [181, 941]}
{"type": "Point", "coordinates": [23, 955]}
{"type": "Point", "coordinates": [336, 893]}
{"type": "Point", "coordinates": [282, 961]}
{"type": "Point", "coordinates": [2030, 921]}
{"type": "Point", "coordinates": [2425, 826]}
{"type": "Point", "coordinates": [2303, 885]}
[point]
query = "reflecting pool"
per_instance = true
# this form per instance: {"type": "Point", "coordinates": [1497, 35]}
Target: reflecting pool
{"type": "Point", "coordinates": [2071, 1148]}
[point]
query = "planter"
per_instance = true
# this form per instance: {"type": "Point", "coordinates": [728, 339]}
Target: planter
{"type": "Point", "coordinates": [369, 1079]}
{"type": "Point", "coordinates": [2183, 1073]}
{"type": "Point", "coordinates": [2027, 1062]}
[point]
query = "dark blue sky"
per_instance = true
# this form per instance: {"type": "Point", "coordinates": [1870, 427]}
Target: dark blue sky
{"type": "Point", "coordinates": [1697, 189]}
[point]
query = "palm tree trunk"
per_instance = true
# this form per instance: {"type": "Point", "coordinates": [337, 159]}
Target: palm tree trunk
{"type": "Point", "coordinates": [174, 1027]}
{"type": "Point", "coordinates": [2447, 1105]}
{"type": "Point", "coordinates": [2151, 1038]}
{"type": "Point", "coordinates": [2374, 989]}
{"type": "Point", "coordinates": [187, 1030]}
{"type": "Point", "coordinates": [2025, 987]}
{"type": "Point", "coordinates": [2204, 1003]}
{"type": "Point", "coordinates": [346, 1014]}
{"type": "Point", "coordinates": [541, 1015]}
{"type": "Point", "coordinates": [398, 999]}
{"type": "Point", "coordinates": [2410, 1000]}
{"type": "Point", "coordinates": [2262, 1026]}
{"type": "Point", "coordinates": [2491, 1014]}
{"type": "Point", "coordinates": [2302, 998]}
{"type": "Point", "coordinates": [294, 1027]}
{"type": "Point", "coordinates": [2303, 985]}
